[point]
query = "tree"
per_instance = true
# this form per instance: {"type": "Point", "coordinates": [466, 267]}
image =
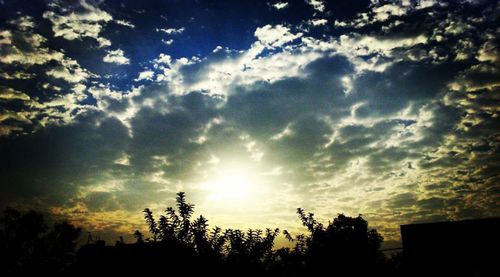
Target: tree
{"type": "Point", "coordinates": [138, 236]}
{"type": "Point", "coordinates": [346, 242]}
{"type": "Point", "coordinates": [27, 246]}
{"type": "Point", "coordinates": [150, 220]}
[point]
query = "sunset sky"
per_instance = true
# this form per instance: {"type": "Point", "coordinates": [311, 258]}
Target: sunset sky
{"type": "Point", "coordinates": [388, 109]}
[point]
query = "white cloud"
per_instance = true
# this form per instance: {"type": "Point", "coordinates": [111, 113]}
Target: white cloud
{"type": "Point", "coordinates": [163, 59]}
{"type": "Point", "coordinates": [382, 13]}
{"type": "Point", "coordinates": [145, 75]}
{"type": "Point", "coordinates": [422, 4]}
{"type": "Point", "coordinates": [487, 52]}
{"type": "Point", "coordinates": [354, 46]}
{"type": "Point", "coordinates": [171, 31]}
{"type": "Point", "coordinates": [7, 93]}
{"type": "Point", "coordinates": [241, 67]}
{"type": "Point", "coordinates": [280, 5]}
{"type": "Point", "coordinates": [6, 118]}
{"type": "Point", "coordinates": [275, 36]}
{"type": "Point", "coordinates": [167, 41]}
{"type": "Point", "coordinates": [116, 56]}
{"type": "Point", "coordinates": [382, 45]}
{"type": "Point", "coordinates": [70, 71]}
{"type": "Point", "coordinates": [125, 23]}
{"type": "Point", "coordinates": [318, 5]}
{"type": "Point", "coordinates": [216, 76]}
{"type": "Point", "coordinates": [72, 24]}
{"type": "Point", "coordinates": [5, 37]}
{"type": "Point", "coordinates": [17, 75]}
{"type": "Point", "coordinates": [101, 91]}
{"type": "Point", "coordinates": [23, 23]}
{"type": "Point", "coordinates": [103, 42]}
{"type": "Point", "coordinates": [27, 49]}
{"type": "Point", "coordinates": [24, 49]}
{"type": "Point", "coordinates": [40, 56]}
{"type": "Point", "coordinates": [318, 22]}
{"type": "Point", "coordinates": [346, 83]}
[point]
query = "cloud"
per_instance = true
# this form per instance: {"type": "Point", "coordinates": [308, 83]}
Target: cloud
{"type": "Point", "coordinates": [171, 31]}
{"type": "Point", "coordinates": [217, 72]}
{"type": "Point", "coordinates": [70, 71]}
{"type": "Point", "coordinates": [402, 200]}
{"type": "Point", "coordinates": [116, 56]}
{"type": "Point", "coordinates": [163, 59]}
{"type": "Point", "coordinates": [318, 22]}
{"type": "Point", "coordinates": [145, 75]}
{"type": "Point", "coordinates": [367, 13]}
{"type": "Point", "coordinates": [382, 13]}
{"type": "Point", "coordinates": [16, 75]}
{"type": "Point", "coordinates": [59, 157]}
{"type": "Point", "coordinates": [25, 47]}
{"type": "Point", "coordinates": [10, 120]}
{"type": "Point", "coordinates": [125, 23]}
{"type": "Point", "coordinates": [318, 5]}
{"type": "Point", "coordinates": [23, 23]}
{"type": "Point", "coordinates": [280, 5]}
{"type": "Point", "coordinates": [47, 101]}
{"type": "Point", "coordinates": [86, 20]}
{"type": "Point", "coordinates": [101, 201]}
{"type": "Point", "coordinates": [7, 93]}
{"type": "Point", "coordinates": [275, 36]}
{"type": "Point", "coordinates": [167, 41]}
{"type": "Point", "coordinates": [489, 49]}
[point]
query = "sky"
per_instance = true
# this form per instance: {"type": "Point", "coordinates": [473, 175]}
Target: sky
{"type": "Point", "coordinates": [389, 109]}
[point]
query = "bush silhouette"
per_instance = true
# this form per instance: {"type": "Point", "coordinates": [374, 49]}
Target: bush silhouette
{"type": "Point", "coordinates": [28, 247]}
{"type": "Point", "coordinates": [346, 242]}
{"type": "Point", "coordinates": [179, 244]}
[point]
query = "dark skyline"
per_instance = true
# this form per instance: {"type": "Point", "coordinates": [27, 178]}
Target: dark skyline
{"type": "Point", "coordinates": [254, 108]}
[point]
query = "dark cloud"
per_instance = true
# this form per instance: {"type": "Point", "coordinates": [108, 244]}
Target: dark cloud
{"type": "Point", "coordinates": [53, 163]}
{"type": "Point", "coordinates": [402, 200]}
{"type": "Point", "coordinates": [264, 109]}
{"type": "Point", "coordinates": [399, 86]}
{"type": "Point", "coordinates": [172, 135]}
{"type": "Point", "coordinates": [99, 201]}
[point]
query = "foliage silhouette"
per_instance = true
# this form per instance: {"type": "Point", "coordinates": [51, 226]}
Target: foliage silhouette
{"type": "Point", "coordinates": [28, 247]}
{"type": "Point", "coordinates": [181, 245]}
{"type": "Point", "coordinates": [138, 236]}
{"type": "Point", "coordinates": [346, 241]}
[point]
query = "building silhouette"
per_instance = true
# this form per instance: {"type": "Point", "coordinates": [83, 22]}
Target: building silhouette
{"type": "Point", "coordinates": [459, 248]}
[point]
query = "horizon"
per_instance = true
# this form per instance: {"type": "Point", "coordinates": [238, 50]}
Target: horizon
{"type": "Point", "coordinates": [388, 109]}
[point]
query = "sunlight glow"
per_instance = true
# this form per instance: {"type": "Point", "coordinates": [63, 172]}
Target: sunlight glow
{"type": "Point", "coordinates": [231, 184]}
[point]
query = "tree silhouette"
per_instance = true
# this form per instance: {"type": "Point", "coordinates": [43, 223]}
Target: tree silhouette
{"type": "Point", "coordinates": [180, 245]}
{"type": "Point", "coordinates": [346, 241]}
{"type": "Point", "coordinates": [138, 236]}
{"type": "Point", "coordinates": [27, 246]}
{"type": "Point", "coordinates": [150, 220]}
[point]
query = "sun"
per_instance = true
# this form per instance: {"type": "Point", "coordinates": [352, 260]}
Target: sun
{"type": "Point", "coordinates": [231, 184]}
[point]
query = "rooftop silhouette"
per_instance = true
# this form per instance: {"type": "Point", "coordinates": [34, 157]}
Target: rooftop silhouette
{"type": "Point", "coordinates": [458, 248]}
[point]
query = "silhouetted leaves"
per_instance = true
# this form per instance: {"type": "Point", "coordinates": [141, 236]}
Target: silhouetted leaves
{"type": "Point", "coordinates": [150, 220]}
{"type": "Point", "coordinates": [138, 236]}
{"type": "Point", "coordinates": [185, 247]}
{"type": "Point", "coordinates": [27, 246]}
{"type": "Point", "coordinates": [345, 241]}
